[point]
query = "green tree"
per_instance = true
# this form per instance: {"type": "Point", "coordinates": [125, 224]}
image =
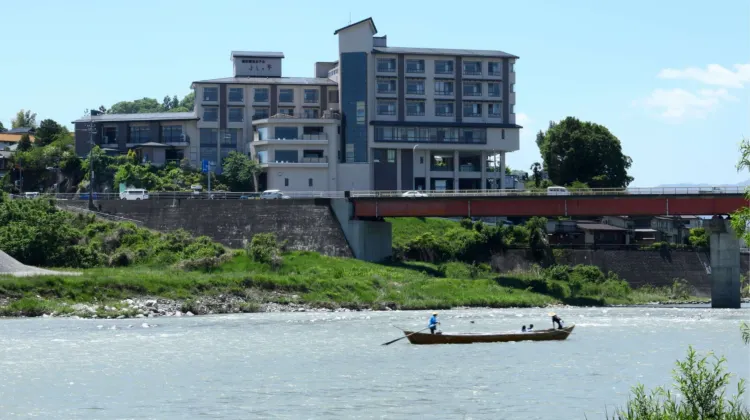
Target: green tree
{"type": "Point", "coordinates": [188, 102]}
{"type": "Point", "coordinates": [24, 119]}
{"type": "Point", "coordinates": [24, 144]}
{"type": "Point", "coordinates": [698, 238]}
{"type": "Point", "coordinates": [741, 218]}
{"type": "Point", "coordinates": [144, 105]}
{"type": "Point", "coordinates": [536, 169]}
{"type": "Point", "coordinates": [2, 127]}
{"type": "Point", "coordinates": [47, 132]}
{"type": "Point", "coordinates": [241, 172]}
{"type": "Point", "coordinates": [575, 150]}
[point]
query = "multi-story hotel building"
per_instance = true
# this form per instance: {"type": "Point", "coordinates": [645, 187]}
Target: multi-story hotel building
{"type": "Point", "coordinates": [378, 118]}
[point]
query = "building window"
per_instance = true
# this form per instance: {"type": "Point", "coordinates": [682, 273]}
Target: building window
{"type": "Point", "coordinates": [333, 96]}
{"type": "Point", "coordinates": [311, 96]}
{"type": "Point", "coordinates": [493, 90]}
{"type": "Point", "coordinates": [443, 66]}
{"type": "Point", "coordinates": [513, 87]}
{"type": "Point", "coordinates": [386, 107]}
{"type": "Point", "coordinates": [262, 156]}
{"type": "Point", "coordinates": [286, 156]}
{"type": "Point", "coordinates": [391, 156]}
{"type": "Point", "coordinates": [472, 68]}
{"type": "Point", "coordinates": [286, 182]}
{"type": "Point", "coordinates": [285, 111]}
{"type": "Point", "coordinates": [236, 114]}
{"type": "Point", "coordinates": [236, 95]}
{"type": "Point", "coordinates": [230, 139]}
{"type": "Point", "coordinates": [415, 86]}
{"type": "Point", "coordinates": [260, 113]}
{"type": "Point", "coordinates": [386, 85]}
{"type": "Point", "coordinates": [472, 89]}
{"type": "Point", "coordinates": [139, 134]}
{"type": "Point", "coordinates": [415, 108]}
{"type": "Point", "coordinates": [261, 95]}
{"type": "Point", "coordinates": [502, 134]}
{"type": "Point", "coordinates": [286, 95]}
{"type": "Point", "coordinates": [387, 65]}
{"type": "Point", "coordinates": [109, 137]}
{"type": "Point", "coordinates": [310, 113]}
{"type": "Point", "coordinates": [472, 135]}
{"type": "Point", "coordinates": [209, 137]}
{"type": "Point", "coordinates": [493, 110]}
{"type": "Point", "coordinates": [493, 68]}
{"type": "Point", "coordinates": [443, 88]}
{"type": "Point", "coordinates": [172, 134]}
{"type": "Point", "coordinates": [210, 114]}
{"type": "Point", "coordinates": [286, 133]}
{"type": "Point", "coordinates": [309, 182]}
{"type": "Point", "coordinates": [421, 160]}
{"type": "Point", "coordinates": [444, 109]}
{"type": "Point", "coordinates": [512, 108]}
{"type": "Point", "coordinates": [416, 134]}
{"type": "Point", "coordinates": [210, 94]}
{"type": "Point", "coordinates": [262, 133]}
{"type": "Point", "coordinates": [415, 66]}
{"type": "Point", "coordinates": [472, 109]}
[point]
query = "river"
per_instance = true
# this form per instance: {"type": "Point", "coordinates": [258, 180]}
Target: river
{"type": "Point", "coordinates": [332, 366]}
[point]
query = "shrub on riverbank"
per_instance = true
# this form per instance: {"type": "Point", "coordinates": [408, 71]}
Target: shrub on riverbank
{"type": "Point", "coordinates": [36, 233]}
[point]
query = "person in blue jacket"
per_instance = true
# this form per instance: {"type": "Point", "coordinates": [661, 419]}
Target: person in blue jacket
{"type": "Point", "coordinates": [434, 322]}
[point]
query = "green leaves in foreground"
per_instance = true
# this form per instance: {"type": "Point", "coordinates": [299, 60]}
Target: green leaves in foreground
{"type": "Point", "coordinates": [701, 387]}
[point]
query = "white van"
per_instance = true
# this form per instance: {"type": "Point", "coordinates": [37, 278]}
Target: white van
{"type": "Point", "coordinates": [273, 195]}
{"type": "Point", "coordinates": [31, 194]}
{"type": "Point", "coordinates": [134, 194]}
{"type": "Point", "coordinates": [557, 191]}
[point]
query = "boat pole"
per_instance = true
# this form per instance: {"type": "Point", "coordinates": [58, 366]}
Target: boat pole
{"type": "Point", "coordinates": [401, 338]}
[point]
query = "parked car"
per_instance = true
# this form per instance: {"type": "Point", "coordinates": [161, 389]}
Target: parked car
{"type": "Point", "coordinates": [273, 195]}
{"type": "Point", "coordinates": [414, 194]}
{"type": "Point", "coordinates": [30, 194]}
{"type": "Point", "coordinates": [134, 194]}
{"type": "Point", "coordinates": [557, 191]}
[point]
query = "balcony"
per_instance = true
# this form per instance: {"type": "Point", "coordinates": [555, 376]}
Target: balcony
{"type": "Point", "coordinates": [305, 162]}
{"type": "Point", "coordinates": [325, 115]}
{"type": "Point", "coordinates": [444, 92]}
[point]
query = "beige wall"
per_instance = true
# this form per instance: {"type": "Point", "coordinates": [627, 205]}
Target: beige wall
{"type": "Point", "coordinates": [298, 178]}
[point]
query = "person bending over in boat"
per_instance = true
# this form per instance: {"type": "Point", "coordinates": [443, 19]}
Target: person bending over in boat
{"type": "Point", "coordinates": [556, 319]}
{"type": "Point", "coordinates": [531, 328]}
{"type": "Point", "coordinates": [523, 329]}
{"type": "Point", "coordinates": [434, 322]}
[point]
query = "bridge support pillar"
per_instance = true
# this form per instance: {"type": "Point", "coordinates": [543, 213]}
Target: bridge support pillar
{"type": "Point", "coordinates": [368, 240]}
{"type": "Point", "coordinates": [725, 265]}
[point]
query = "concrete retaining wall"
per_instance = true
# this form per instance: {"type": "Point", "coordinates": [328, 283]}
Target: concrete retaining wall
{"type": "Point", "coordinates": [307, 225]}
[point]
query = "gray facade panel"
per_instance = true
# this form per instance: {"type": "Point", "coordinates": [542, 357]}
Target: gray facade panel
{"type": "Point", "coordinates": [459, 69]}
{"type": "Point", "coordinates": [353, 91]}
{"type": "Point", "coordinates": [123, 132]}
{"type": "Point", "coordinates": [154, 129]}
{"type": "Point", "coordinates": [401, 104]}
{"type": "Point", "coordinates": [385, 176]}
{"type": "Point", "coordinates": [407, 169]}
{"type": "Point", "coordinates": [506, 90]}
{"type": "Point", "coordinates": [273, 92]}
{"type": "Point", "coordinates": [222, 107]}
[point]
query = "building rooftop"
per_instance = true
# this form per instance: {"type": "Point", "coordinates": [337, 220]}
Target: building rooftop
{"type": "Point", "coordinates": [272, 81]}
{"type": "Point", "coordinates": [266, 54]}
{"type": "Point", "coordinates": [599, 226]}
{"type": "Point", "coordinates": [153, 116]}
{"type": "Point", "coordinates": [14, 137]}
{"type": "Point", "coordinates": [369, 20]}
{"type": "Point", "coordinates": [443, 51]}
{"type": "Point", "coordinates": [20, 130]}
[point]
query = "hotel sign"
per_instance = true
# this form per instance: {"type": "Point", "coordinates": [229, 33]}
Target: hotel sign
{"type": "Point", "coordinates": [260, 67]}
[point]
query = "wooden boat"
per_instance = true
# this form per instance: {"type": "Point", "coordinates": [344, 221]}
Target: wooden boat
{"type": "Point", "coordinates": [468, 338]}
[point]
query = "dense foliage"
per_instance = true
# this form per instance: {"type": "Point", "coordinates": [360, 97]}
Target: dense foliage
{"type": "Point", "coordinates": [587, 152]}
{"type": "Point", "coordinates": [144, 105]}
{"type": "Point", "coordinates": [36, 233]}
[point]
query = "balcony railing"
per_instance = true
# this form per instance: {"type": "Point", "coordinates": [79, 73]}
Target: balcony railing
{"type": "Point", "coordinates": [472, 72]}
{"type": "Point", "coordinates": [323, 159]}
{"type": "Point", "coordinates": [414, 69]}
{"type": "Point", "coordinates": [472, 93]}
{"type": "Point", "coordinates": [468, 167]}
{"type": "Point", "coordinates": [386, 69]}
{"type": "Point", "coordinates": [415, 91]}
{"type": "Point", "coordinates": [326, 115]}
{"type": "Point", "coordinates": [495, 73]}
{"type": "Point", "coordinates": [444, 92]}
{"type": "Point", "coordinates": [441, 168]}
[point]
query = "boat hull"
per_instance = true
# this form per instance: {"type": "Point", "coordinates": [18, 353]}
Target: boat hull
{"type": "Point", "coordinates": [540, 335]}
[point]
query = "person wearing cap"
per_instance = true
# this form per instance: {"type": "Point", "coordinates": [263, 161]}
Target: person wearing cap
{"type": "Point", "coordinates": [556, 319]}
{"type": "Point", "coordinates": [434, 322]}
{"type": "Point", "coordinates": [531, 328]}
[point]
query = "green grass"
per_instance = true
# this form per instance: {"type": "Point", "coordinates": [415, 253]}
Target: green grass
{"type": "Point", "coordinates": [408, 228]}
{"type": "Point", "coordinates": [311, 278]}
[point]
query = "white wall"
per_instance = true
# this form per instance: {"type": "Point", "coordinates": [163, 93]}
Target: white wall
{"type": "Point", "coordinates": [353, 177]}
{"type": "Point", "coordinates": [356, 39]}
{"type": "Point", "coordinates": [298, 178]}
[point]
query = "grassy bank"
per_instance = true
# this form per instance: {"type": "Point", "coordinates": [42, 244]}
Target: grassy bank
{"type": "Point", "coordinates": [313, 280]}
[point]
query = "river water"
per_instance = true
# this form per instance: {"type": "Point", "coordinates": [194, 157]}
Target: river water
{"type": "Point", "coordinates": [332, 366]}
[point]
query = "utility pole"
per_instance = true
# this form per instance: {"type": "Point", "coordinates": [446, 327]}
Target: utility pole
{"type": "Point", "coordinates": [92, 130]}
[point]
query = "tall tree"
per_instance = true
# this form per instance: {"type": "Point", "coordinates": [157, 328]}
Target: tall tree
{"type": "Point", "coordinates": [575, 150]}
{"type": "Point", "coordinates": [144, 105]}
{"type": "Point", "coordinates": [47, 132]}
{"type": "Point", "coordinates": [2, 127]}
{"type": "Point", "coordinates": [24, 144]}
{"type": "Point", "coordinates": [23, 119]}
{"type": "Point", "coordinates": [188, 101]}
{"type": "Point", "coordinates": [240, 172]}
{"type": "Point", "coordinates": [536, 169]}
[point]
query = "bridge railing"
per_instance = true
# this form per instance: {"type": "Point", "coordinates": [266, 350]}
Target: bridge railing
{"type": "Point", "coordinates": [171, 195]}
{"type": "Point", "coordinates": [568, 192]}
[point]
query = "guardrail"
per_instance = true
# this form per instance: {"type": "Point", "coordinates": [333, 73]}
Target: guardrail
{"type": "Point", "coordinates": [227, 195]}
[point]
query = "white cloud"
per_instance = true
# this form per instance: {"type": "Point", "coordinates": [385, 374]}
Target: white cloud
{"type": "Point", "coordinates": [678, 103]}
{"type": "Point", "coordinates": [714, 74]}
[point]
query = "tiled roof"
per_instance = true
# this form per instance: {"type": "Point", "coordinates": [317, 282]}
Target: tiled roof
{"type": "Point", "coordinates": [20, 130]}
{"type": "Point", "coordinates": [443, 51]}
{"type": "Point", "coordinates": [272, 81]}
{"type": "Point", "coordinates": [598, 226]}
{"type": "Point", "coordinates": [267, 54]}
{"type": "Point", "coordinates": [153, 116]}
{"type": "Point", "coordinates": [372, 22]}
{"type": "Point", "coordinates": [15, 137]}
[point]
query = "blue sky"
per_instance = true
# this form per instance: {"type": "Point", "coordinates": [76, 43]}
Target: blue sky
{"type": "Point", "coordinates": [669, 78]}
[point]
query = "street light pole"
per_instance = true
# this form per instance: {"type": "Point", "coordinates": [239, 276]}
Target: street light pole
{"type": "Point", "coordinates": [92, 129]}
{"type": "Point", "coordinates": [413, 178]}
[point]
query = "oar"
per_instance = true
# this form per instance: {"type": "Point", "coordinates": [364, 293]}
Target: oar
{"type": "Point", "coordinates": [401, 338]}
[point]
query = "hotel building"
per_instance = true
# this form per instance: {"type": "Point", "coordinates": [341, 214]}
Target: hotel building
{"type": "Point", "coordinates": [378, 118]}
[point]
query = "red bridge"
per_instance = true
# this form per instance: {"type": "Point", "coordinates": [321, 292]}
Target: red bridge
{"type": "Point", "coordinates": [588, 203]}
